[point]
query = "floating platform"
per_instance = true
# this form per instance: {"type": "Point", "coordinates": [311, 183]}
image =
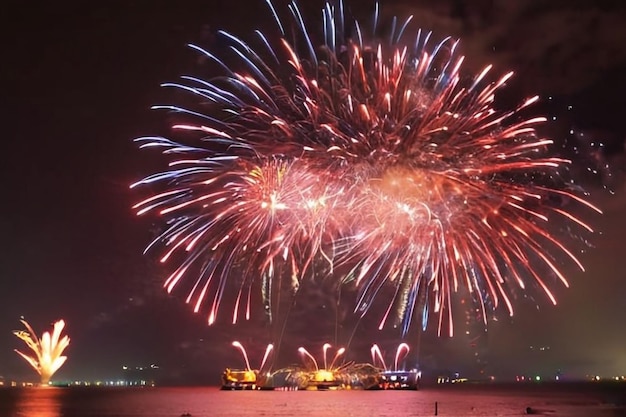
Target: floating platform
{"type": "Point", "coordinates": [323, 380]}
{"type": "Point", "coordinates": [239, 379]}
{"type": "Point", "coordinates": [400, 380]}
{"type": "Point", "coordinates": [353, 378]}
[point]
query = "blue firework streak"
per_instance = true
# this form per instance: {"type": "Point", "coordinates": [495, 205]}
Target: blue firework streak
{"type": "Point", "coordinates": [376, 158]}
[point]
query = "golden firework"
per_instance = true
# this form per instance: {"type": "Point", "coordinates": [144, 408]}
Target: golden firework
{"type": "Point", "coordinates": [48, 350]}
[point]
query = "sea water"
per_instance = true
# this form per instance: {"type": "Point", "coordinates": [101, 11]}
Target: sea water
{"type": "Point", "coordinates": [484, 400]}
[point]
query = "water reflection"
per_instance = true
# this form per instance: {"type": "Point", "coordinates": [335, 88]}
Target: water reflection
{"type": "Point", "coordinates": [39, 402]}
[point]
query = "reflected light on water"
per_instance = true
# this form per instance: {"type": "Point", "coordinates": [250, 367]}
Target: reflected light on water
{"type": "Point", "coordinates": [482, 400]}
{"type": "Point", "coordinates": [40, 402]}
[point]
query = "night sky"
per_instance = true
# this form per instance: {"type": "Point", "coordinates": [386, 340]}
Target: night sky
{"type": "Point", "coordinates": [78, 80]}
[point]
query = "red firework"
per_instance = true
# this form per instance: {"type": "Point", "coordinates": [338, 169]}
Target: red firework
{"type": "Point", "coordinates": [379, 160]}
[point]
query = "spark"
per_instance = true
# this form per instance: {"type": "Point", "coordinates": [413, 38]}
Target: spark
{"type": "Point", "coordinates": [377, 159]}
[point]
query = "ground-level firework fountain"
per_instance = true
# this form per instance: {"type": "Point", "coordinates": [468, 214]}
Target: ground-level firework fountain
{"type": "Point", "coordinates": [332, 376]}
{"type": "Point", "coordinates": [398, 377]}
{"type": "Point", "coordinates": [248, 378]}
{"type": "Point", "coordinates": [328, 377]}
{"type": "Point", "coordinates": [48, 350]}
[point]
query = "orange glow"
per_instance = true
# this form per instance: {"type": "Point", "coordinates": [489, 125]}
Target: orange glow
{"type": "Point", "coordinates": [48, 350]}
{"type": "Point", "coordinates": [247, 376]}
{"type": "Point", "coordinates": [323, 375]}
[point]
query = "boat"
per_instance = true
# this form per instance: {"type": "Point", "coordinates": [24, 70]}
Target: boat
{"type": "Point", "coordinates": [400, 380]}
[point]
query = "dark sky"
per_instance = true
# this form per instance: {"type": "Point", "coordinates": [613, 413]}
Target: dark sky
{"type": "Point", "coordinates": [78, 81]}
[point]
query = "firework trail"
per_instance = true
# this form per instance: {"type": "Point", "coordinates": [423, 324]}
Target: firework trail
{"type": "Point", "coordinates": [377, 158]}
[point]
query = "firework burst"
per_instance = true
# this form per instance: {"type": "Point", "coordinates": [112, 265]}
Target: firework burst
{"type": "Point", "coordinates": [377, 158]}
{"type": "Point", "coordinates": [48, 350]}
